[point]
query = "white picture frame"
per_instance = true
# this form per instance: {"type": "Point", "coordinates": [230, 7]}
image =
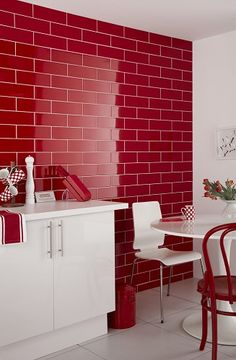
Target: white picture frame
{"type": "Point", "coordinates": [44, 196]}
{"type": "Point", "coordinates": [226, 143]}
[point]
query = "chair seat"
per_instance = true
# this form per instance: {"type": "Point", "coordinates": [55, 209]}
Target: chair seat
{"type": "Point", "coordinates": [168, 257]}
{"type": "Point", "coordinates": [221, 287]}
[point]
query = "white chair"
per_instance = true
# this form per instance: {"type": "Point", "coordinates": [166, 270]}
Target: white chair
{"type": "Point", "coordinates": [147, 242]}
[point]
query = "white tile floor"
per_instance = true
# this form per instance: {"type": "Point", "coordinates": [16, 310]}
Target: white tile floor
{"type": "Point", "coordinates": [148, 339]}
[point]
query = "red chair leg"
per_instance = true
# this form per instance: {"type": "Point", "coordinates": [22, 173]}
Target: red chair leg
{"type": "Point", "coordinates": [214, 331]}
{"type": "Point", "coordinates": [204, 325]}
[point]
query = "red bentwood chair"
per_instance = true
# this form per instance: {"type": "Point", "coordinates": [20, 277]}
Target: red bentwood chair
{"type": "Point", "coordinates": [216, 287]}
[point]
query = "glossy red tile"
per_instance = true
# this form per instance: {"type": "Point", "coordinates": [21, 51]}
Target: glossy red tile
{"type": "Point", "coordinates": [81, 22]}
{"type": "Point", "coordinates": [7, 131]}
{"type": "Point", "coordinates": [66, 133]}
{"type": "Point", "coordinates": [171, 73]}
{"type": "Point", "coordinates": [25, 77]}
{"type": "Point", "coordinates": [160, 61]}
{"type": "Point", "coordinates": [171, 94]}
{"type": "Point", "coordinates": [109, 28]}
{"type": "Point", "coordinates": [14, 118]}
{"type": "Point", "coordinates": [50, 67]}
{"type": "Point", "coordinates": [66, 82]}
{"type": "Point", "coordinates": [51, 119]}
{"type": "Point", "coordinates": [32, 51]}
{"type": "Point", "coordinates": [82, 96]}
{"type": "Point", "coordinates": [50, 41]}
{"type": "Point", "coordinates": [160, 125]}
{"type": "Point", "coordinates": [97, 134]}
{"type": "Point", "coordinates": [160, 39]}
{"type": "Point", "coordinates": [82, 72]}
{"type": "Point", "coordinates": [110, 52]}
{"type": "Point", "coordinates": [14, 34]}
{"type": "Point", "coordinates": [181, 64]}
{"type": "Point", "coordinates": [123, 43]}
{"type": "Point", "coordinates": [123, 89]}
{"type": "Point", "coordinates": [148, 70]}
{"type": "Point", "coordinates": [136, 79]}
{"type": "Point", "coordinates": [82, 145]}
{"type": "Point", "coordinates": [33, 132]}
{"type": "Point", "coordinates": [148, 48]}
{"type": "Point", "coordinates": [50, 93]}
{"type": "Point", "coordinates": [98, 86]}
{"type": "Point", "coordinates": [96, 62]}
{"type": "Point", "coordinates": [97, 110]}
{"type": "Point", "coordinates": [82, 47]}
{"type": "Point", "coordinates": [7, 75]}
{"type": "Point", "coordinates": [24, 22]}
{"type": "Point", "coordinates": [160, 104]}
{"type": "Point", "coordinates": [7, 103]}
{"type": "Point", "coordinates": [6, 158]}
{"type": "Point", "coordinates": [149, 113]}
{"type": "Point", "coordinates": [16, 90]}
{"type": "Point", "coordinates": [67, 158]}
{"type": "Point", "coordinates": [136, 101]}
{"type": "Point", "coordinates": [7, 47]}
{"type": "Point", "coordinates": [182, 105]}
{"type": "Point", "coordinates": [33, 105]}
{"type": "Point", "coordinates": [18, 7]}
{"type": "Point", "coordinates": [51, 145]}
{"type": "Point", "coordinates": [136, 57]}
{"type": "Point", "coordinates": [8, 61]}
{"type": "Point", "coordinates": [66, 31]}
{"type": "Point", "coordinates": [66, 107]}
{"type": "Point", "coordinates": [7, 18]}
{"type": "Point", "coordinates": [48, 14]}
{"type": "Point", "coordinates": [171, 52]}
{"type": "Point", "coordinates": [82, 121]}
{"type": "Point", "coordinates": [66, 57]}
{"type": "Point", "coordinates": [181, 44]}
{"type": "Point", "coordinates": [16, 145]}
{"type": "Point", "coordinates": [136, 34]}
{"type": "Point", "coordinates": [94, 37]}
{"type": "Point", "coordinates": [160, 82]}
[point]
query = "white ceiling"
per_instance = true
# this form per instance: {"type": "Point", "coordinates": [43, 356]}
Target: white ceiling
{"type": "Point", "coordinates": [186, 19]}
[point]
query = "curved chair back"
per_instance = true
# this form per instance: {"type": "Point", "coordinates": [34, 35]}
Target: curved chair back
{"type": "Point", "coordinates": [223, 232]}
{"type": "Point", "coordinates": [144, 213]}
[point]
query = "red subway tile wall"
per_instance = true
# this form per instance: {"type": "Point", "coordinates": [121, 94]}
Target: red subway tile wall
{"type": "Point", "coordinates": [110, 103]}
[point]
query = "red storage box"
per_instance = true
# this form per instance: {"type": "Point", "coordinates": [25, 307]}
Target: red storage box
{"type": "Point", "coordinates": [125, 314]}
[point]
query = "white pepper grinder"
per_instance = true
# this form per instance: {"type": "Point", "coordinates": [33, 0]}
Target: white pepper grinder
{"type": "Point", "coordinates": [29, 186]}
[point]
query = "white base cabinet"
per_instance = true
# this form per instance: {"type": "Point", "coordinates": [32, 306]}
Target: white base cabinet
{"type": "Point", "coordinates": [58, 286]}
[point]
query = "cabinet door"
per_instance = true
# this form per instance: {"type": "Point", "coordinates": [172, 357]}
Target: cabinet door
{"type": "Point", "coordinates": [84, 270]}
{"type": "Point", "coordinates": [26, 286]}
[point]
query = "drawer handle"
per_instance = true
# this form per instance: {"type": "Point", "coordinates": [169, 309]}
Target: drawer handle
{"type": "Point", "coordinates": [61, 249]}
{"type": "Point", "coordinates": [50, 240]}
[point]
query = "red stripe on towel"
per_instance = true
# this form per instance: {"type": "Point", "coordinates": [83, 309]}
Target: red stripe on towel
{"type": "Point", "coordinates": [12, 229]}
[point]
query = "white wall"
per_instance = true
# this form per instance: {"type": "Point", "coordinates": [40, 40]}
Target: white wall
{"type": "Point", "coordinates": [214, 69]}
{"type": "Point", "coordinates": [214, 104]}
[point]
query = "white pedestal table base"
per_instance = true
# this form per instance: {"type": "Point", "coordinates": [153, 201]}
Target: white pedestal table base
{"type": "Point", "coordinates": [192, 324]}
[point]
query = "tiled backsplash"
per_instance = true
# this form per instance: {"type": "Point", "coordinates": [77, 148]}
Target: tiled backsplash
{"type": "Point", "coordinates": [109, 103]}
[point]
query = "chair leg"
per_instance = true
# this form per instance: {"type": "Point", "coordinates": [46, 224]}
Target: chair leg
{"type": "Point", "coordinates": [214, 330]}
{"type": "Point", "coordinates": [132, 273]}
{"type": "Point", "coordinates": [204, 324]}
{"type": "Point", "coordinates": [161, 293]}
{"type": "Point", "coordinates": [170, 277]}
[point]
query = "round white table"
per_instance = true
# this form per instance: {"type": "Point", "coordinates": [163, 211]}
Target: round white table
{"type": "Point", "coordinates": [192, 324]}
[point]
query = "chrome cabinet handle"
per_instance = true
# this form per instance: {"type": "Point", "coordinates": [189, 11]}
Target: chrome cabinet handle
{"type": "Point", "coordinates": [50, 240]}
{"type": "Point", "coordinates": [61, 249]}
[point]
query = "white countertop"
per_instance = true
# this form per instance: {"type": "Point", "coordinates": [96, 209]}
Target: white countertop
{"type": "Point", "coordinates": [65, 208]}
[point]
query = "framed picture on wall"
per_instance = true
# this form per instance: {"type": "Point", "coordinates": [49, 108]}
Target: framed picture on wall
{"type": "Point", "coordinates": [226, 143]}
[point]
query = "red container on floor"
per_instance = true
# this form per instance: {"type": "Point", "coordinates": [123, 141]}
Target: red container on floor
{"type": "Point", "coordinates": [125, 314]}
